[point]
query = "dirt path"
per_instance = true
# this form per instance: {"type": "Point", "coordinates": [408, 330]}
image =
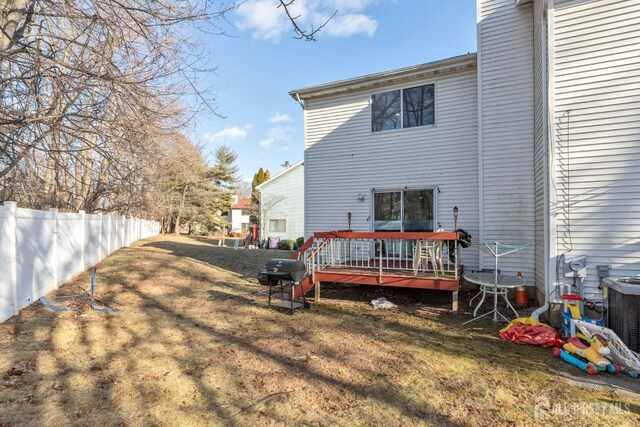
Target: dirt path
{"type": "Point", "coordinates": [196, 345]}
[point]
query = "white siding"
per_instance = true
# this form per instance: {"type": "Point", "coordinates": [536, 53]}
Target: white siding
{"type": "Point", "coordinates": [343, 158]}
{"type": "Point", "coordinates": [506, 147]}
{"type": "Point", "coordinates": [597, 79]}
{"type": "Point", "coordinates": [540, 139]}
{"type": "Point", "coordinates": [237, 219]}
{"type": "Point", "coordinates": [282, 197]}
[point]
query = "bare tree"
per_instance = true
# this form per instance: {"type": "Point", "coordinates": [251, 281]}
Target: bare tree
{"type": "Point", "coordinates": [92, 93]}
{"type": "Point", "coordinates": [303, 34]}
{"type": "Point", "coordinates": [263, 210]}
{"type": "Point", "coordinates": [244, 189]}
{"type": "Point", "coordinates": [88, 87]}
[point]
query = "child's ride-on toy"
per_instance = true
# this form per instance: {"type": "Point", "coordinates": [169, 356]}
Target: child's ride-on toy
{"type": "Point", "coordinates": [588, 358]}
{"type": "Point", "coordinates": [572, 311]}
{"type": "Point", "coordinates": [619, 352]}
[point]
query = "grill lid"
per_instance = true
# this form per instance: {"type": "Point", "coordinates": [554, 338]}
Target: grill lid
{"type": "Point", "coordinates": [286, 269]}
{"type": "Point", "coordinates": [278, 265]}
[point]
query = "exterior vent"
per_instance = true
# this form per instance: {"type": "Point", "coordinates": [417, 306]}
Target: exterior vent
{"type": "Point", "coordinates": [624, 309]}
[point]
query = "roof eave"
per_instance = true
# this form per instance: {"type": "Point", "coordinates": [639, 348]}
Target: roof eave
{"type": "Point", "coordinates": [279, 174]}
{"type": "Point", "coordinates": [388, 78]}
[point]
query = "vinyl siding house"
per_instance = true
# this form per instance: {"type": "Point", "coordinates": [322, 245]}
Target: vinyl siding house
{"type": "Point", "coordinates": [282, 203]}
{"type": "Point", "coordinates": [239, 217]}
{"type": "Point", "coordinates": [353, 165]}
{"type": "Point", "coordinates": [535, 139]}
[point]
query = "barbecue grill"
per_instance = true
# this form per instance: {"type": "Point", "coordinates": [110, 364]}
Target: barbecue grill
{"type": "Point", "coordinates": [281, 272]}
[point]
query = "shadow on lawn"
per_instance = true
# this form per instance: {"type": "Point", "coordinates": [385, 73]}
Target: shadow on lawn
{"type": "Point", "coordinates": [204, 250]}
{"type": "Point", "coordinates": [384, 395]}
{"type": "Point", "coordinates": [228, 350]}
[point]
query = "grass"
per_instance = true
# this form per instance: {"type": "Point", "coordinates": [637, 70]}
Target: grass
{"type": "Point", "coordinates": [196, 345]}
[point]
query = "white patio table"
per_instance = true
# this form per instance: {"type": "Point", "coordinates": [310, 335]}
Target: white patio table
{"type": "Point", "coordinates": [493, 283]}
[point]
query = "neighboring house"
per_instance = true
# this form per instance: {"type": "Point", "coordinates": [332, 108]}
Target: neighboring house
{"type": "Point", "coordinates": [282, 203]}
{"type": "Point", "coordinates": [535, 139]}
{"type": "Point", "coordinates": [239, 215]}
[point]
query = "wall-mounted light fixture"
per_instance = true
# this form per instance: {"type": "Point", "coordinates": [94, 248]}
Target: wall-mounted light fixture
{"type": "Point", "coordinates": [455, 217]}
{"type": "Point", "coordinates": [361, 197]}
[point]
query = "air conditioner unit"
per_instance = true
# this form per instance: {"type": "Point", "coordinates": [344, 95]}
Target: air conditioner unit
{"type": "Point", "coordinates": [623, 300]}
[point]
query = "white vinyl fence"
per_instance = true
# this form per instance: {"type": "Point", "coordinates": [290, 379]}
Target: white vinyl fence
{"type": "Point", "coordinates": [41, 250]}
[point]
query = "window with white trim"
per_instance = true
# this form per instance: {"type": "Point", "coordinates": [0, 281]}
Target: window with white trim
{"type": "Point", "coordinates": [277, 225]}
{"type": "Point", "coordinates": [403, 108]}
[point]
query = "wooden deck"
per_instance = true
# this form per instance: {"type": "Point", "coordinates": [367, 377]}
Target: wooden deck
{"type": "Point", "coordinates": [386, 269]}
{"type": "Point", "coordinates": [399, 278]}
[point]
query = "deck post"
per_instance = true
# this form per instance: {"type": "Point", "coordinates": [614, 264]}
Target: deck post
{"type": "Point", "coordinates": [454, 303]}
{"type": "Point", "coordinates": [317, 292]}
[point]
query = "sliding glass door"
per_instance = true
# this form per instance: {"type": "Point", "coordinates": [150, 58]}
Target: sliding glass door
{"type": "Point", "coordinates": [403, 210]}
{"type": "Point", "coordinates": [388, 211]}
{"type": "Point", "coordinates": [417, 210]}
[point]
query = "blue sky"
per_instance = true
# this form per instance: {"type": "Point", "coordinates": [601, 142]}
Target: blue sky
{"type": "Point", "coordinates": [259, 62]}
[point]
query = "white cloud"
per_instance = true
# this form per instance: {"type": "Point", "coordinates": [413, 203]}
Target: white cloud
{"type": "Point", "coordinates": [233, 133]}
{"type": "Point", "coordinates": [279, 117]}
{"type": "Point", "coordinates": [349, 5]}
{"type": "Point", "coordinates": [263, 18]}
{"type": "Point", "coordinates": [349, 25]}
{"type": "Point", "coordinates": [268, 22]}
{"type": "Point", "coordinates": [276, 134]}
{"type": "Point", "coordinates": [266, 143]}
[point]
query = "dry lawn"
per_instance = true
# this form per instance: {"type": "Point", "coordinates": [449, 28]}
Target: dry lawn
{"type": "Point", "coordinates": [196, 345]}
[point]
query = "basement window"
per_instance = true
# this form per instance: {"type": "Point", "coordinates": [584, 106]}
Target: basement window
{"type": "Point", "coordinates": [406, 108]}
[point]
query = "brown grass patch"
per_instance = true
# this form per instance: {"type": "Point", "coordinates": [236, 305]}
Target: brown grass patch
{"type": "Point", "coordinates": [196, 345]}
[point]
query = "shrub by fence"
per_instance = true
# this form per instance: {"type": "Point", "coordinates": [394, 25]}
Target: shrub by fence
{"type": "Point", "coordinates": [40, 250]}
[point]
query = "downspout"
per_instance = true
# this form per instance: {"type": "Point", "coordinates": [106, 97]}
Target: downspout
{"type": "Point", "coordinates": [549, 169]}
{"type": "Point", "coordinates": [480, 135]}
{"type": "Point", "coordinates": [302, 103]}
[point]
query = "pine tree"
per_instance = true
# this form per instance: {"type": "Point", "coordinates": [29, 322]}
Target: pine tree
{"type": "Point", "coordinates": [224, 179]}
{"type": "Point", "coordinates": [267, 175]}
{"type": "Point", "coordinates": [258, 179]}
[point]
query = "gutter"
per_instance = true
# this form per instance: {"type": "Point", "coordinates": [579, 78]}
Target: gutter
{"type": "Point", "coordinates": [394, 77]}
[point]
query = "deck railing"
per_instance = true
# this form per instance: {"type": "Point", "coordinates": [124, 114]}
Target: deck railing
{"type": "Point", "coordinates": [382, 251]}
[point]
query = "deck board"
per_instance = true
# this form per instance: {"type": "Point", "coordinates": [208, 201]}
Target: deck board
{"type": "Point", "coordinates": [398, 278]}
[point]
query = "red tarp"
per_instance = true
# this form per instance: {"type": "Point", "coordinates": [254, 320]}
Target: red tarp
{"type": "Point", "coordinates": [541, 335]}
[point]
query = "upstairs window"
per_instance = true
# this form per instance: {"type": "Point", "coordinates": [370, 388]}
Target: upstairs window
{"type": "Point", "coordinates": [385, 111]}
{"type": "Point", "coordinates": [404, 108]}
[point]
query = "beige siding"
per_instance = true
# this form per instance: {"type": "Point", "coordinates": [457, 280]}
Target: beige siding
{"type": "Point", "coordinates": [597, 89]}
{"type": "Point", "coordinates": [282, 197]}
{"type": "Point", "coordinates": [343, 158]}
{"type": "Point", "coordinates": [506, 139]}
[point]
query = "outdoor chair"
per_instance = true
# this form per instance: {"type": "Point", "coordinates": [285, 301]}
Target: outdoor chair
{"type": "Point", "coordinates": [428, 251]}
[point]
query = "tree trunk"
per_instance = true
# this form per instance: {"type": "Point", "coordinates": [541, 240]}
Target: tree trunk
{"type": "Point", "coordinates": [14, 16]}
{"type": "Point", "coordinates": [181, 209]}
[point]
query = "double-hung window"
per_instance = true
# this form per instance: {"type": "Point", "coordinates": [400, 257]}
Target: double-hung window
{"type": "Point", "coordinates": [278, 225]}
{"type": "Point", "coordinates": [403, 108]}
